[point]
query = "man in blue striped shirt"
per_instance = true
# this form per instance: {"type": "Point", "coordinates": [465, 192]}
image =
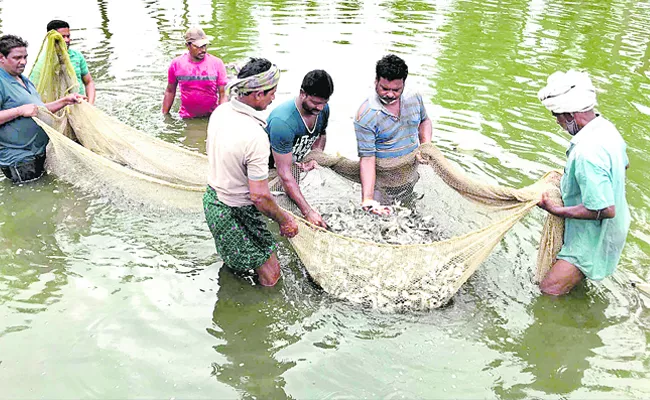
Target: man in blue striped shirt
{"type": "Point", "coordinates": [390, 124]}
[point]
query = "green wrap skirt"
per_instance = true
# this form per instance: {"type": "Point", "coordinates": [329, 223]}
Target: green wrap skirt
{"type": "Point", "coordinates": [240, 234]}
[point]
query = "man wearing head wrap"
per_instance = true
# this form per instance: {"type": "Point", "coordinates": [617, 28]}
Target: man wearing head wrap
{"type": "Point", "coordinates": [238, 192]}
{"type": "Point", "coordinates": [596, 213]}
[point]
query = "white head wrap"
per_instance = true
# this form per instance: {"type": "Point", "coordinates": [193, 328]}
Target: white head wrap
{"type": "Point", "coordinates": [568, 92]}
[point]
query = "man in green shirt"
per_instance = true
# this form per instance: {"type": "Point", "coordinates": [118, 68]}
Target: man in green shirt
{"type": "Point", "coordinates": [86, 83]}
{"type": "Point", "coordinates": [596, 213]}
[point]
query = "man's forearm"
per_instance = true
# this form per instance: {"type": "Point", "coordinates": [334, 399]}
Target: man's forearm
{"type": "Point", "coordinates": [582, 212]}
{"type": "Point", "coordinates": [9, 115]}
{"type": "Point", "coordinates": [425, 131]}
{"type": "Point", "coordinates": [367, 174]}
{"type": "Point", "coordinates": [222, 95]}
{"type": "Point", "coordinates": [267, 206]}
{"type": "Point", "coordinates": [168, 100]}
{"type": "Point", "coordinates": [55, 105]}
{"type": "Point", "coordinates": [90, 91]}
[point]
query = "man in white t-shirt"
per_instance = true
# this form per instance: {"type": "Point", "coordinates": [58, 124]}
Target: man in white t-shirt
{"type": "Point", "coordinates": [238, 192]}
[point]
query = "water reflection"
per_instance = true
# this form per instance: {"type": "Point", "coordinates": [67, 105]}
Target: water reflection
{"type": "Point", "coordinates": [233, 27]}
{"type": "Point", "coordinates": [561, 340]}
{"type": "Point", "coordinates": [98, 63]}
{"type": "Point", "coordinates": [252, 324]}
{"type": "Point", "coordinates": [33, 268]}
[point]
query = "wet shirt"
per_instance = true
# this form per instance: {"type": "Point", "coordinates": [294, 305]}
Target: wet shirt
{"type": "Point", "coordinates": [384, 135]}
{"type": "Point", "coordinates": [288, 133]}
{"type": "Point", "coordinates": [80, 68]}
{"type": "Point", "coordinates": [595, 176]}
{"type": "Point", "coordinates": [198, 83]}
{"type": "Point", "coordinates": [20, 138]}
{"type": "Point", "coordinates": [238, 150]}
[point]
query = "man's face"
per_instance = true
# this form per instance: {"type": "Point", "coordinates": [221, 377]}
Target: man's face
{"type": "Point", "coordinates": [389, 91]}
{"type": "Point", "coordinates": [14, 63]}
{"type": "Point", "coordinates": [567, 122]}
{"type": "Point", "coordinates": [265, 100]}
{"type": "Point", "coordinates": [65, 32]}
{"type": "Point", "coordinates": [312, 104]}
{"type": "Point", "coordinates": [197, 53]}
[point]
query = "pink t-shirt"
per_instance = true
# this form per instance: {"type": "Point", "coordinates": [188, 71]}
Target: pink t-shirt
{"type": "Point", "coordinates": [198, 82]}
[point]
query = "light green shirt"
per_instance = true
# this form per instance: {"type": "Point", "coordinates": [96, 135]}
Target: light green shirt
{"type": "Point", "coordinates": [80, 68]}
{"type": "Point", "coordinates": [595, 177]}
{"type": "Point", "coordinates": [78, 63]}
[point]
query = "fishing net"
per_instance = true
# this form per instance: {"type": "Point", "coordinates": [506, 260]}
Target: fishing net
{"type": "Point", "coordinates": [463, 219]}
{"type": "Point", "coordinates": [101, 154]}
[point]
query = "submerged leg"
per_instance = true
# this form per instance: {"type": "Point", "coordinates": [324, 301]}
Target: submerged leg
{"type": "Point", "coordinates": [269, 272]}
{"type": "Point", "coordinates": [561, 278]}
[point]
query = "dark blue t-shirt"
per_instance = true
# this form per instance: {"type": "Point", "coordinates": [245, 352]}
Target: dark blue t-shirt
{"type": "Point", "coordinates": [21, 138]}
{"type": "Point", "coordinates": [288, 133]}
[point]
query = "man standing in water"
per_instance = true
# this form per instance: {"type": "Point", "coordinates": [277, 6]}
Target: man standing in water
{"type": "Point", "coordinates": [85, 80]}
{"type": "Point", "coordinates": [22, 141]}
{"type": "Point", "coordinates": [596, 214]}
{"type": "Point", "coordinates": [297, 126]}
{"type": "Point", "coordinates": [201, 76]}
{"type": "Point", "coordinates": [390, 125]}
{"type": "Point", "coordinates": [238, 192]}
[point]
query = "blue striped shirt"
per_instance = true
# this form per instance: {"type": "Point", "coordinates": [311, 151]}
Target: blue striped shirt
{"type": "Point", "coordinates": [384, 135]}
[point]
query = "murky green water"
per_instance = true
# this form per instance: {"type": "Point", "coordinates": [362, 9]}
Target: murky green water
{"type": "Point", "coordinates": [99, 302]}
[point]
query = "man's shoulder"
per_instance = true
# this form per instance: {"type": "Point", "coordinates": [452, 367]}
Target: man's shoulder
{"type": "Point", "coordinates": [412, 96]}
{"type": "Point", "coordinates": [74, 53]}
{"type": "Point", "coordinates": [227, 116]}
{"type": "Point", "coordinates": [179, 60]}
{"type": "Point", "coordinates": [365, 110]}
{"type": "Point", "coordinates": [285, 112]}
{"type": "Point", "coordinates": [213, 59]}
{"type": "Point", "coordinates": [4, 79]}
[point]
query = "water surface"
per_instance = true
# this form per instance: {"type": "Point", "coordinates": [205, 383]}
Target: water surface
{"type": "Point", "coordinates": [99, 302]}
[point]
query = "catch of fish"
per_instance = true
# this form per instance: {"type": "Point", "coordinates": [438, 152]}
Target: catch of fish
{"type": "Point", "coordinates": [402, 227]}
{"type": "Point", "coordinates": [403, 279]}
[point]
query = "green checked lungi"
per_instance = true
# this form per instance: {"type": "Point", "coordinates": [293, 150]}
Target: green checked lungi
{"type": "Point", "coordinates": [240, 234]}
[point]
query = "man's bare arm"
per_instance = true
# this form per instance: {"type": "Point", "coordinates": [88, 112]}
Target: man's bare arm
{"type": "Point", "coordinates": [27, 110]}
{"type": "Point", "coordinates": [168, 99]}
{"type": "Point", "coordinates": [283, 163]}
{"type": "Point", "coordinates": [222, 95]}
{"type": "Point", "coordinates": [425, 131]}
{"type": "Point", "coordinates": [368, 175]}
{"type": "Point", "coordinates": [89, 84]}
{"type": "Point", "coordinates": [264, 202]}
{"type": "Point", "coordinates": [576, 212]}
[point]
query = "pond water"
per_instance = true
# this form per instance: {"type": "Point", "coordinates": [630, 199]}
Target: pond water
{"type": "Point", "coordinates": [101, 302]}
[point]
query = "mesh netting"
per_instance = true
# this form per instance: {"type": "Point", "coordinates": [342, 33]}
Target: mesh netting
{"type": "Point", "coordinates": [471, 218]}
{"type": "Point", "coordinates": [416, 259]}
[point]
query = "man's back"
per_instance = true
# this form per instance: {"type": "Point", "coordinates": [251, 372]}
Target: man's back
{"type": "Point", "coordinates": [238, 149]}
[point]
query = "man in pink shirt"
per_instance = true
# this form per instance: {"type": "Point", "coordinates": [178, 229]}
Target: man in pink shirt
{"type": "Point", "coordinates": [201, 76]}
